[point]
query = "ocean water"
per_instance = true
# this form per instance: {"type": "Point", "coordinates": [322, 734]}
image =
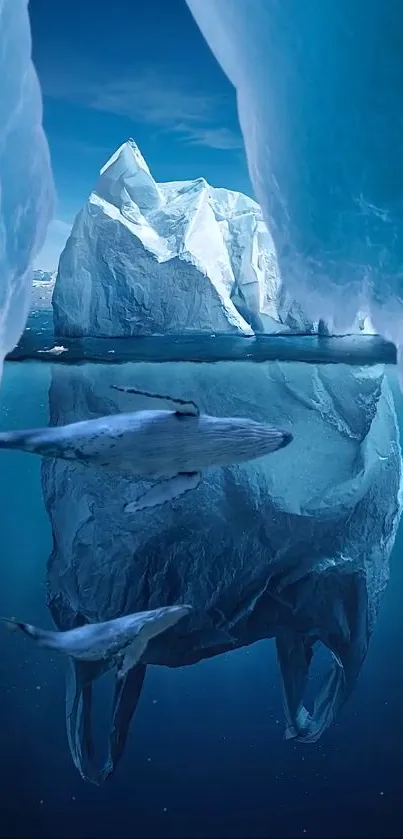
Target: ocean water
{"type": "Point", "coordinates": [206, 754]}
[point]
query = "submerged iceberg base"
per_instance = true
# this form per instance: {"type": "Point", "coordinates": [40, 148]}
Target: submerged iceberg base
{"type": "Point", "coordinates": [293, 546]}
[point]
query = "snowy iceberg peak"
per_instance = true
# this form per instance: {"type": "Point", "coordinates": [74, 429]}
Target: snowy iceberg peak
{"type": "Point", "coordinates": [126, 179]}
{"type": "Point", "coordinates": [146, 258]}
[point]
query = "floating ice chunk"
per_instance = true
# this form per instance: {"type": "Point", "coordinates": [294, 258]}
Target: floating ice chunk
{"type": "Point", "coordinates": [26, 190]}
{"type": "Point", "coordinates": [57, 350]}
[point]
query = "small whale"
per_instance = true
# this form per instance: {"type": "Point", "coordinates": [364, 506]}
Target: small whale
{"type": "Point", "coordinates": [169, 448]}
{"type": "Point", "coordinates": [121, 641]}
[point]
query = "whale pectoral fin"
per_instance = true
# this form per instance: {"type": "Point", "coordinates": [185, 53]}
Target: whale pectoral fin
{"type": "Point", "coordinates": [157, 621]}
{"type": "Point", "coordinates": [180, 406]}
{"type": "Point", "coordinates": [131, 656]}
{"type": "Point", "coordinates": [165, 491]}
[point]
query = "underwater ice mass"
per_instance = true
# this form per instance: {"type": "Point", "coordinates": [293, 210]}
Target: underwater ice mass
{"type": "Point", "coordinates": [298, 541]}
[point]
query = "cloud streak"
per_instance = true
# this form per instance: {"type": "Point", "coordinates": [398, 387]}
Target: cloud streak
{"type": "Point", "coordinates": [167, 103]}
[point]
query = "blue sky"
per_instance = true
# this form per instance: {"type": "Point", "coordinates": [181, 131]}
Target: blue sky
{"type": "Point", "coordinates": [114, 69]}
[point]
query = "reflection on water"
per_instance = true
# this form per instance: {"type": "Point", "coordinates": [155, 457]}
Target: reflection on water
{"type": "Point", "coordinates": [293, 545]}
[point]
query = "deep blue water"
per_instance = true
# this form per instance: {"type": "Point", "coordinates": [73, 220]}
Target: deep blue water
{"type": "Point", "coordinates": [206, 755]}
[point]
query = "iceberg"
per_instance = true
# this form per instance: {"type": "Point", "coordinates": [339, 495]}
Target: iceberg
{"type": "Point", "coordinates": [293, 546]}
{"type": "Point", "coordinates": [146, 258]}
{"type": "Point", "coordinates": [26, 186]}
{"type": "Point", "coordinates": [323, 135]}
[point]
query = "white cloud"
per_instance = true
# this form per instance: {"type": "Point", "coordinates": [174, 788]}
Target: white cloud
{"type": "Point", "coordinates": [58, 233]}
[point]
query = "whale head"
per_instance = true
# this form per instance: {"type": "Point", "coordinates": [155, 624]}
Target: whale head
{"type": "Point", "coordinates": [228, 440]}
{"type": "Point", "coordinates": [255, 439]}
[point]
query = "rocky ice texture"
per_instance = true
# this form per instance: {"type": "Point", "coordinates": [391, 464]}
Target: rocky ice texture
{"type": "Point", "coordinates": [26, 188]}
{"type": "Point", "coordinates": [294, 546]}
{"type": "Point", "coordinates": [323, 135]}
{"type": "Point", "coordinates": [146, 258]}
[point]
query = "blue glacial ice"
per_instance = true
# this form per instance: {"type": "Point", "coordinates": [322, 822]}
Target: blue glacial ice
{"type": "Point", "coordinates": [319, 90]}
{"type": "Point", "coordinates": [26, 187]}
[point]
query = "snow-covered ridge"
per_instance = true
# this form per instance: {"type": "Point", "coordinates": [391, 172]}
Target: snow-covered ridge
{"type": "Point", "coordinates": [125, 178]}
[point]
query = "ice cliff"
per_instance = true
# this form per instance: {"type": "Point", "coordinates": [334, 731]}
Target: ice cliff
{"type": "Point", "coordinates": [25, 179]}
{"type": "Point", "coordinates": [294, 546]}
{"type": "Point", "coordinates": [323, 135]}
{"type": "Point", "coordinates": [147, 258]}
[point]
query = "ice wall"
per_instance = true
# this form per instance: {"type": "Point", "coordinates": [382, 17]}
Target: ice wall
{"type": "Point", "coordinates": [26, 188]}
{"type": "Point", "coordinates": [319, 89]}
